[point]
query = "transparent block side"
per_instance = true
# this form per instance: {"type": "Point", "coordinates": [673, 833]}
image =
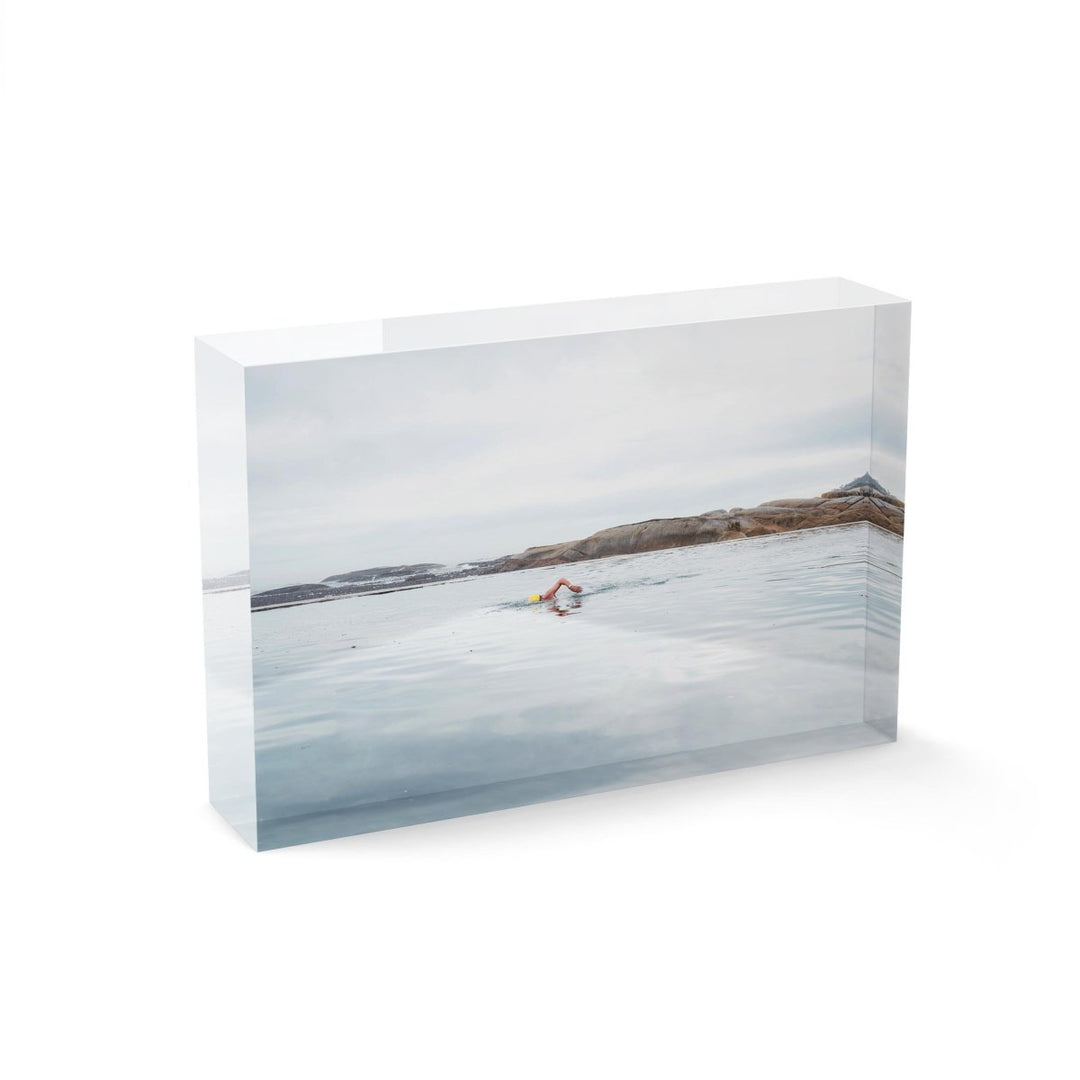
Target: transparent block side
{"type": "Point", "coordinates": [627, 313]}
{"type": "Point", "coordinates": [226, 588]}
{"type": "Point", "coordinates": [295, 344]}
{"type": "Point", "coordinates": [888, 454]}
{"type": "Point", "coordinates": [884, 559]}
{"type": "Point", "coordinates": [888, 450]}
{"type": "Point", "coordinates": [450, 330]}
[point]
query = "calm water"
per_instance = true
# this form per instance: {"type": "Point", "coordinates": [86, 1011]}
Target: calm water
{"type": "Point", "coordinates": [375, 711]}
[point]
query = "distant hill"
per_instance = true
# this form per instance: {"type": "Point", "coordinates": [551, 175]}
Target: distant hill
{"type": "Point", "coordinates": [862, 499]}
{"type": "Point", "coordinates": [384, 572]}
{"type": "Point", "coordinates": [238, 580]}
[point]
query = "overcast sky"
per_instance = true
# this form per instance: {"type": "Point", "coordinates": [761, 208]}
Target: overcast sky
{"type": "Point", "coordinates": [480, 451]}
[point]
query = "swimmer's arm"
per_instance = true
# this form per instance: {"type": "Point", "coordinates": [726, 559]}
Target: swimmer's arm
{"type": "Point", "coordinates": [558, 585]}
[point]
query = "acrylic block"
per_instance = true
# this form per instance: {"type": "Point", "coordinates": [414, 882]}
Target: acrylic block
{"type": "Point", "coordinates": [465, 562]}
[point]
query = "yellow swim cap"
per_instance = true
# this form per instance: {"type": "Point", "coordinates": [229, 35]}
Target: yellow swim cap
{"type": "Point", "coordinates": [535, 598]}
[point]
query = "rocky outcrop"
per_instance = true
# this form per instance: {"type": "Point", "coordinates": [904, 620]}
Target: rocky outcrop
{"type": "Point", "coordinates": [292, 594]}
{"type": "Point", "coordinates": [864, 499]}
{"type": "Point", "coordinates": [864, 485]}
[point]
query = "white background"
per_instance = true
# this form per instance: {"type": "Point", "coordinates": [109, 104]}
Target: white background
{"type": "Point", "coordinates": [212, 166]}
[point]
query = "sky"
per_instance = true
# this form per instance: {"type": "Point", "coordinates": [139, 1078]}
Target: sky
{"type": "Point", "coordinates": [483, 450]}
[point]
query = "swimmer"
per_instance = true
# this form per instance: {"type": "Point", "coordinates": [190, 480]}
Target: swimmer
{"type": "Point", "coordinates": [550, 594]}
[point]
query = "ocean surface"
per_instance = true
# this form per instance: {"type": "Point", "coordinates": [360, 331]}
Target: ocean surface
{"type": "Point", "coordinates": [381, 710]}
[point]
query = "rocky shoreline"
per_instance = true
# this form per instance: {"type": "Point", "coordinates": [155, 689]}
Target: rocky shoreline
{"type": "Point", "coordinates": [863, 499]}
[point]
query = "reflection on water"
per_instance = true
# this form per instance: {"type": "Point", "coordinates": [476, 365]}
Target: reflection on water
{"type": "Point", "coordinates": [376, 711]}
{"type": "Point", "coordinates": [569, 607]}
